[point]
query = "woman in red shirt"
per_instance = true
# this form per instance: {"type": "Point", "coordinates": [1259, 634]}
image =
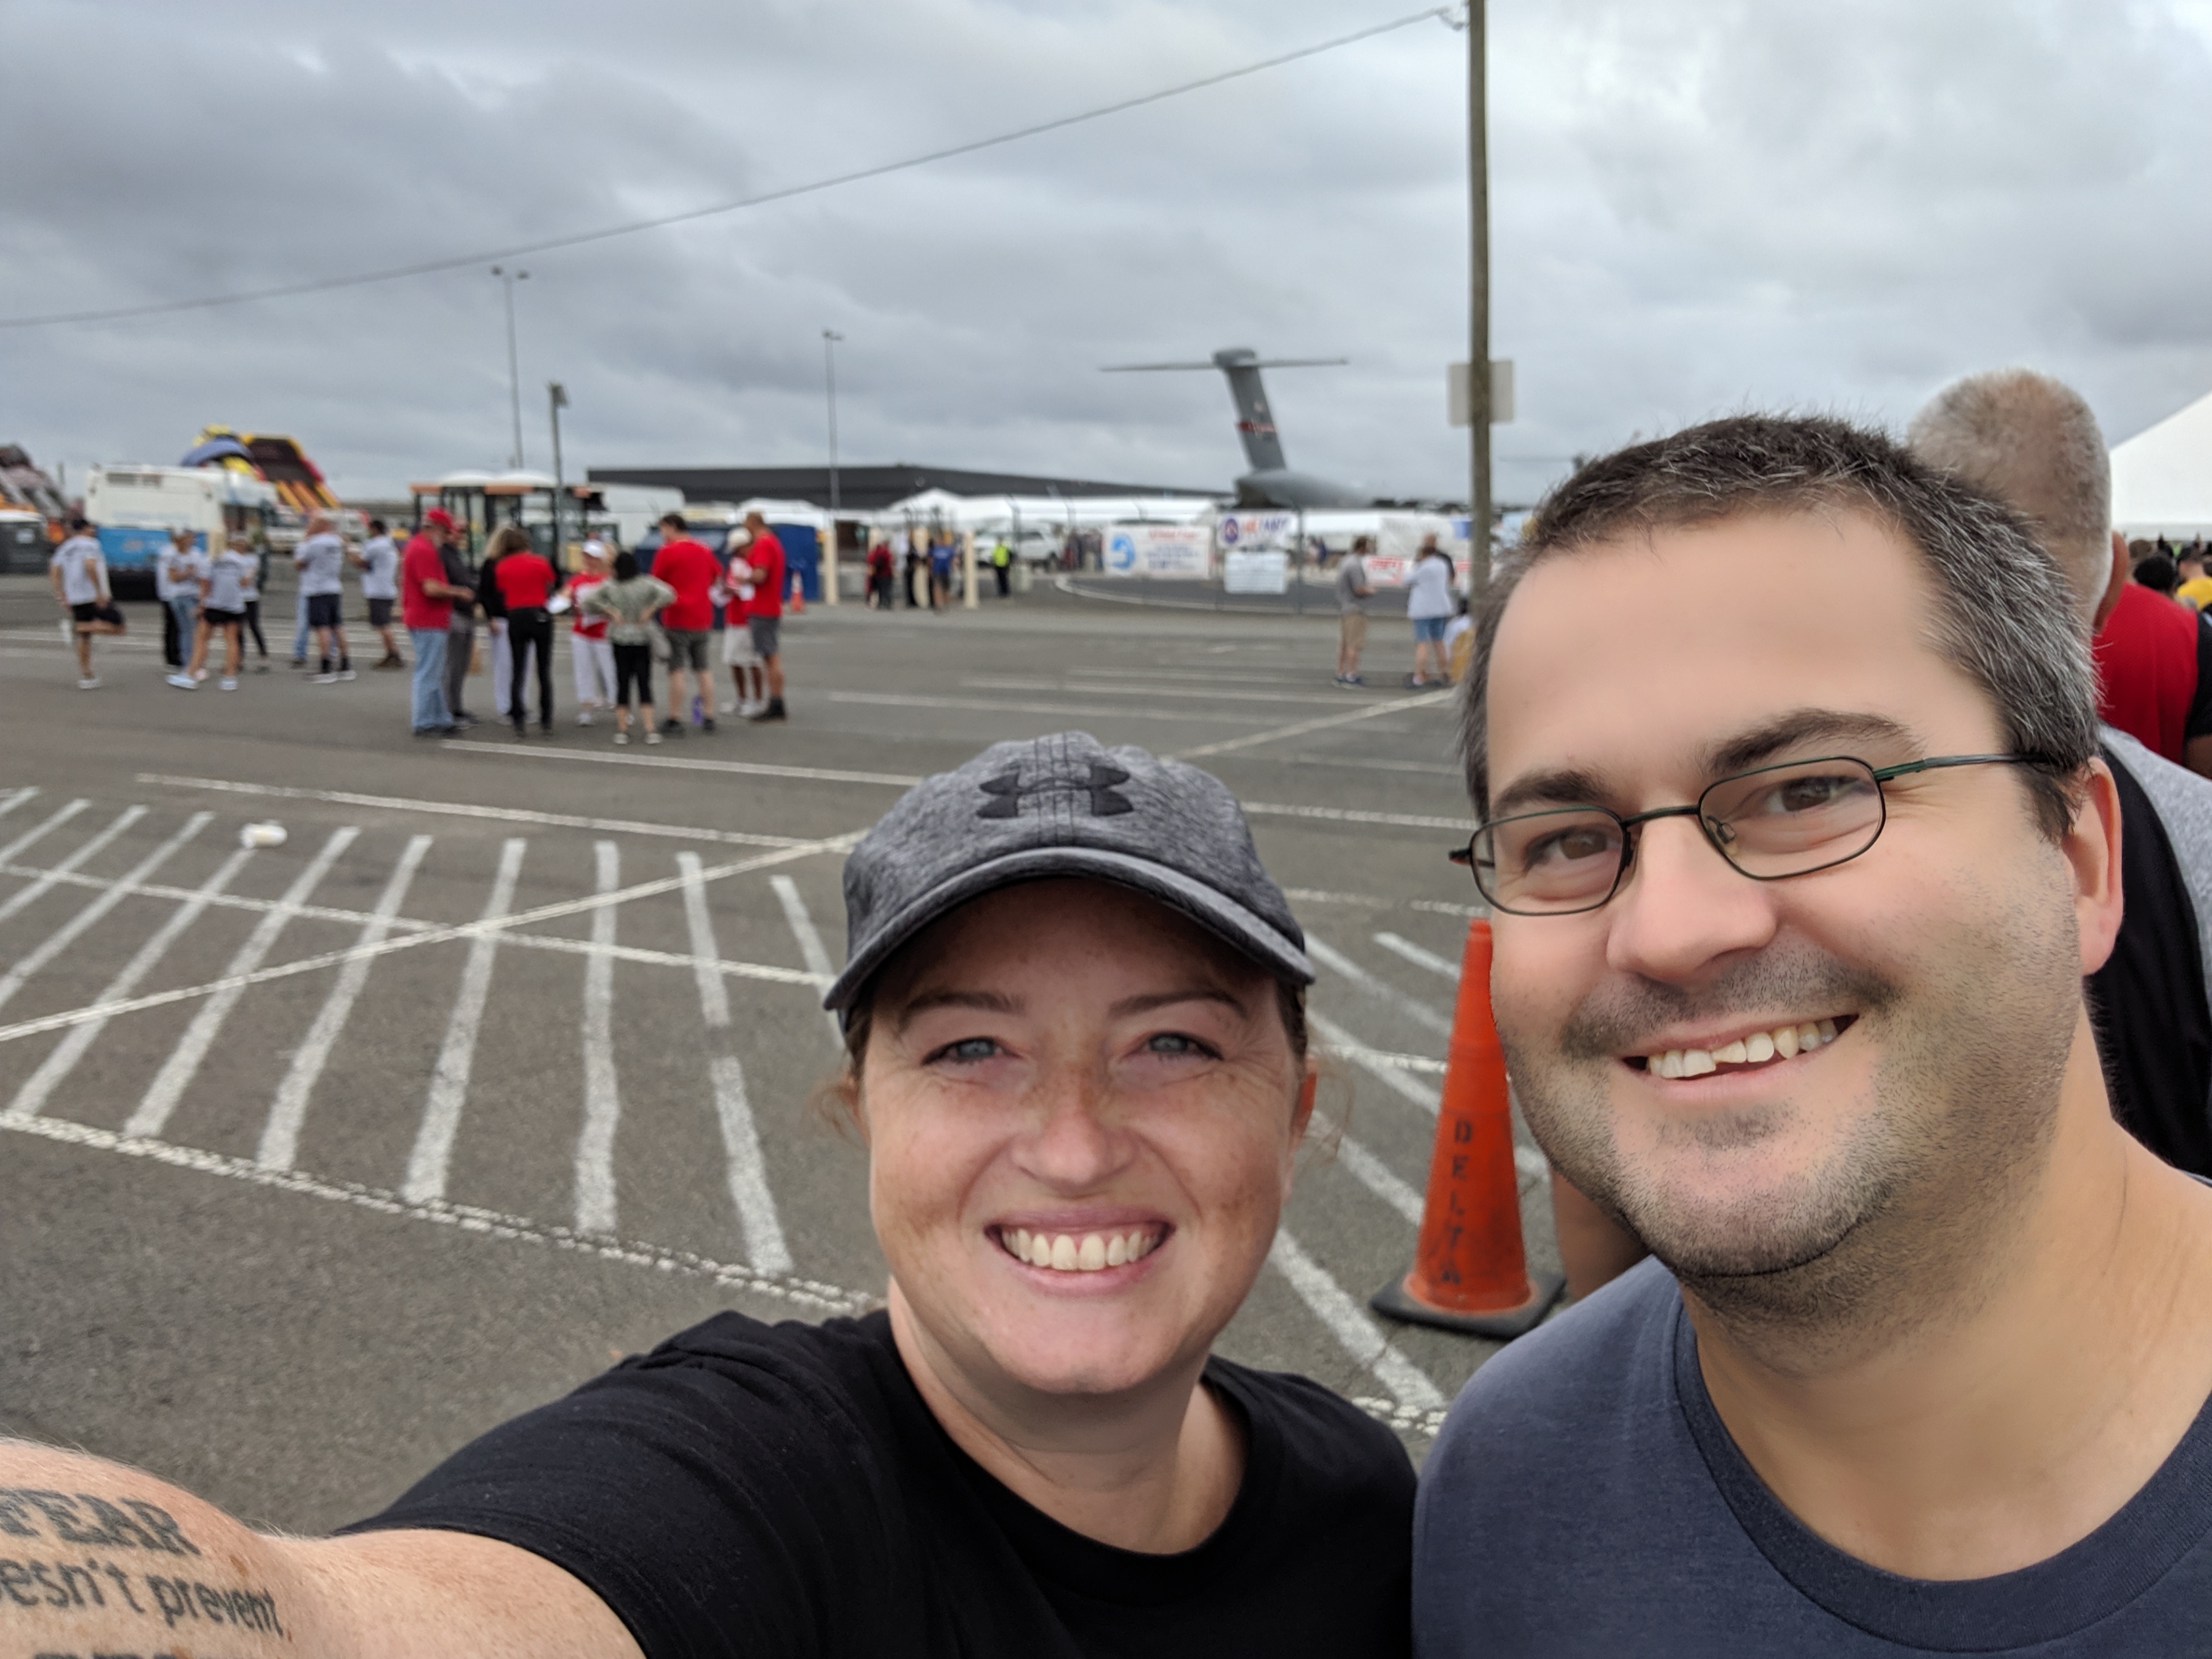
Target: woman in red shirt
{"type": "Point", "coordinates": [526, 581]}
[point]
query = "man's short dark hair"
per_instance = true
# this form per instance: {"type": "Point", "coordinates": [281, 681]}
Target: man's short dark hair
{"type": "Point", "coordinates": [2157, 572]}
{"type": "Point", "coordinates": [376, 525]}
{"type": "Point", "coordinates": [2003, 613]}
{"type": "Point", "coordinates": [673, 521]}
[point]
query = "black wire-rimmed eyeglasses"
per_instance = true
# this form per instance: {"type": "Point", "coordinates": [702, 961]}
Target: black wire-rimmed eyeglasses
{"type": "Point", "coordinates": [1771, 823]}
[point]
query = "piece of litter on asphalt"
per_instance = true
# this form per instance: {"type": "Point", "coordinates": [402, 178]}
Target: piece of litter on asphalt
{"type": "Point", "coordinates": [262, 835]}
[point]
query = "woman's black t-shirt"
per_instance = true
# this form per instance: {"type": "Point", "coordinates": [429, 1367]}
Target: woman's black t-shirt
{"type": "Point", "coordinates": [754, 1490]}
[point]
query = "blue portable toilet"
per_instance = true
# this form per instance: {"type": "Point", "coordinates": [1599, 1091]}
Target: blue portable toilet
{"type": "Point", "coordinates": [802, 558]}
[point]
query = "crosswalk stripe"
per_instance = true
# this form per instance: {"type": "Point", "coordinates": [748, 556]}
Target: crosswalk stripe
{"type": "Point", "coordinates": [37, 1089]}
{"type": "Point", "coordinates": [432, 1157]}
{"type": "Point", "coordinates": [811, 952]}
{"type": "Point", "coordinates": [1406, 951]}
{"type": "Point", "coordinates": [765, 1245]}
{"type": "Point", "coordinates": [78, 925]}
{"type": "Point", "coordinates": [176, 1071]}
{"type": "Point", "coordinates": [280, 1136]}
{"type": "Point", "coordinates": [68, 810]}
{"type": "Point", "coordinates": [1337, 962]}
{"type": "Point", "coordinates": [1347, 1321]}
{"type": "Point", "coordinates": [91, 849]}
{"type": "Point", "coordinates": [595, 1146]}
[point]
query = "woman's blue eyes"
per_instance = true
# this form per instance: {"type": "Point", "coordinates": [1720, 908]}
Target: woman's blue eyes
{"type": "Point", "coordinates": [970, 1048]}
{"type": "Point", "coordinates": [1173, 1043]}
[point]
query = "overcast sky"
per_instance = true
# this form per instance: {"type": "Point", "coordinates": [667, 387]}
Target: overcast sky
{"type": "Point", "coordinates": [1699, 205]}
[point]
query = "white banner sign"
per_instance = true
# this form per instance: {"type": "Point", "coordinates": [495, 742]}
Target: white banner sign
{"type": "Point", "coordinates": [1252, 530]}
{"type": "Point", "coordinates": [1157, 550]}
{"type": "Point", "coordinates": [1256, 572]}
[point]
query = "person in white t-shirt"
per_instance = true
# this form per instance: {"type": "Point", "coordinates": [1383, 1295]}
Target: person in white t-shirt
{"type": "Point", "coordinates": [379, 564]}
{"type": "Point", "coordinates": [227, 587]}
{"type": "Point", "coordinates": [79, 573]}
{"type": "Point", "coordinates": [1429, 607]}
{"type": "Point", "coordinates": [321, 559]}
{"type": "Point", "coordinates": [184, 564]}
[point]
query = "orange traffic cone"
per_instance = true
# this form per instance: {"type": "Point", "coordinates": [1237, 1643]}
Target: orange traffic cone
{"type": "Point", "coordinates": [1470, 1272]}
{"type": "Point", "coordinates": [798, 594]}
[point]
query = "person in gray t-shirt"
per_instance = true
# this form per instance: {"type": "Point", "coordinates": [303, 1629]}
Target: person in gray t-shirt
{"type": "Point", "coordinates": [1352, 592]}
{"type": "Point", "coordinates": [1795, 881]}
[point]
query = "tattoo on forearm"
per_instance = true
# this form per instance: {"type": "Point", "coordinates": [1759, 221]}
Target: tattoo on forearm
{"type": "Point", "coordinates": [57, 1581]}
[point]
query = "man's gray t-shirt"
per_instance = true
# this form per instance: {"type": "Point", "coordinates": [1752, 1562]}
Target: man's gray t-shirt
{"type": "Point", "coordinates": [1585, 1498]}
{"type": "Point", "coordinates": [1352, 589]}
{"type": "Point", "coordinates": [321, 559]}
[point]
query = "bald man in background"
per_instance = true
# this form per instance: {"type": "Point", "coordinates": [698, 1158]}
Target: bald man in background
{"type": "Point", "coordinates": [2032, 443]}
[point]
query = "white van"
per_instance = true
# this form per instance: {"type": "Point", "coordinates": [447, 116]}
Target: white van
{"type": "Point", "coordinates": [135, 509]}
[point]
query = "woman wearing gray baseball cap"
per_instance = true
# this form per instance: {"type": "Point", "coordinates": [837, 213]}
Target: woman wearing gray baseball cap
{"type": "Point", "coordinates": [1076, 1051]}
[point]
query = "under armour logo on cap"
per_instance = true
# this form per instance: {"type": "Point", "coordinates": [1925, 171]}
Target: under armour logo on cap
{"type": "Point", "coordinates": [1060, 806]}
{"type": "Point", "coordinates": [1007, 791]}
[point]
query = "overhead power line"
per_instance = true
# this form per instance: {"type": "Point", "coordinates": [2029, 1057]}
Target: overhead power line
{"type": "Point", "coordinates": [608, 233]}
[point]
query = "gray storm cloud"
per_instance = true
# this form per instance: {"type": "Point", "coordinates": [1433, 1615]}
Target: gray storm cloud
{"type": "Point", "coordinates": [1698, 204]}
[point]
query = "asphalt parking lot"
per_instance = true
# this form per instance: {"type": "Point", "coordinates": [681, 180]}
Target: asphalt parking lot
{"type": "Point", "coordinates": [309, 1174]}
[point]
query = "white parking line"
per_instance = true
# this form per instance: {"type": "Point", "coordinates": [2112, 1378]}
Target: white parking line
{"type": "Point", "coordinates": [15, 798]}
{"type": "Point", "coordinates": [1053, 710]}
{"type": "Point", "coordinates": [31, 1098]}
{"type": "Point", "coordinates": [280, 1136]}
{"type": "Point", "coordinates": [1527, 1163]}
{"type": "Point", "coordinates": [1347, 1321]}
{"type": "Point", "coordinates": [108, 1008]}
{"type": "Point", "coordinates": [63, 936]}
{"type": "Point", "coordinates": [92, 848]}
{"type": "Point", "coordinates": [765, 1245]}
{"type": "Point", "coordinates": [595, 1146]}
{"type": "Point", "coordinates": [468, 809]}
{"type": "Point", "coordinates": [1397, 705]}
{"type": "Point", "coordinates": [1406, 951]}
{"type": "Point", "coordinates": [176, 1071]}
{"type": "Point", "coordinates": [684, 763]}
{"type": "Point", "coordinates": [489, 1224]}
{"type": "Point", "coordinates": [1382, 990]}
{"type": "Point", "coordinates": [430, 1162]}
{"type": "Point", "coordinates": [812, 951]}
{"type": "Point", "coordinates": [1268, 809]}
{"type": "Point", "coordinates": [1372, 1173]}
{"type": "Point", "coordinates": [1211, 691]}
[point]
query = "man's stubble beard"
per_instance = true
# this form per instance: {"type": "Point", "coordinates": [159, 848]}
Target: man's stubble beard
{"type": "Point", "coordinates": [1906, 1212]}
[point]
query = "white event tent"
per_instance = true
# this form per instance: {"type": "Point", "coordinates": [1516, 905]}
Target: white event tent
{"type": "Point", "coordinates": [2162, 476]}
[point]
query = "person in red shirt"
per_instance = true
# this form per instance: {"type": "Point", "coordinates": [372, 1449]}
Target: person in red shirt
{"type": "Point", "coordinates": [764, 569]}
{"type": "Point", "coordinates": [426, 606]}
{"type": "Point", "coordinates": [690, 568]}
{"type": "Point", "coordinates": [737, 654]}
{"type": "Point", "coordinates": [525, 579]}
{"type": "Point", "coordinates": [2154, 674]}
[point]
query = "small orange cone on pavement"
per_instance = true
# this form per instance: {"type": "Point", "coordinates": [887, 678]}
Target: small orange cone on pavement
{"type": "Point", "coordinates": [1470, 1271]}
{"type": "Point", "coordinates": [798, 594]}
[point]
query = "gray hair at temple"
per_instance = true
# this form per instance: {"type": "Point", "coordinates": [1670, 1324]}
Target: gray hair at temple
{"type": "Point", "coordinates": [2032, 443]}
{"type": "Point", "coordinates": [2000, 610]}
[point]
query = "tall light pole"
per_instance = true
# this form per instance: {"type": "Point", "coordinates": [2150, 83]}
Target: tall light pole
{"type": "Point", "coordinates": [1477, 361]}
{"type": "Point", "coordinates": [508, 280]}
{"type": "Point", "coordinates": [829, 338]}
{"type": "Point", "coordinates": [557, 397]}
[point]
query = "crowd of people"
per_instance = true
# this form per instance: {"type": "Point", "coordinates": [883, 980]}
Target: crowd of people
{"type": "Point", "coordinates": [1435, 609]}
{"type": "Point", "coordinates": [1846, 963]}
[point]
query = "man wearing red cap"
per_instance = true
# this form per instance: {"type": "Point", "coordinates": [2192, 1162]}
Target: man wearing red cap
{"type": "Point", "coordinates": [426, 606]}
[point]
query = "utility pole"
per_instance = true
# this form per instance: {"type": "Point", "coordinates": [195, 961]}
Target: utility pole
{"type": "Point", "coordinates": [1478, 360]}
{"type": "Point", "coordinates": [508, 280]}
{"type": "Point", "coordinates": [556, 396]}
{"type": "Point", "coordinates": [829, 338]}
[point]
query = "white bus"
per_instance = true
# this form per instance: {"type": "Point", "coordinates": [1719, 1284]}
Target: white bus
{"type": "Point", "coordinates": [135, 509]}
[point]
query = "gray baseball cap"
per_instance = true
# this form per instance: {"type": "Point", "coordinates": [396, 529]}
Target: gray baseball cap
{"type": "Point", "coordinates": [1063, 805]}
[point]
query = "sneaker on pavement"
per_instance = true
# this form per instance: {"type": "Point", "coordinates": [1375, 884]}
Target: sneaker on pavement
{"type": "Point", "coordinates": [584, 717]}
{"type": "Point", "coordinates": [652, 736]}
{"type": "Point", "coordinates": [89, 682]}
{"type": "Point", "coordinates": [228, 683]}
{"type": "Point", "coordinates": [323, 679]}
{"type": "Point", "coordinates": [672, 727]}
{"type": "Point", "coordinates": [622, 737]}
{"type": "Point", "coordinates": [705, 722]}
{"type": "Point", "coordinates": [199, 673]}
{"type": "Point", "coordinates": [184, 682]}
{"type": "Point", "coordinates": [774, 711]}
{"type": "Point", "coordinates": [346, 673]}
{"type": "Point", "coordinates": [731, 709]}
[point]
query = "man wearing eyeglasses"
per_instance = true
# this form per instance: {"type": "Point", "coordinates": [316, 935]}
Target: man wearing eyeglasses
{"type": "Point", "coordinates": [1798, 846]}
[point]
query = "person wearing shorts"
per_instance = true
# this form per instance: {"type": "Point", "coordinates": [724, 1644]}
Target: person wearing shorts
{"type": "Point", "coordinates": [738, 656]}
{"type": "Point", "coordinates": [1429, 608]}
{"type": "Point", "coordinates": [321, 558]}
{"type": "Point", "coordinates": [225, 586]}
{"type": "Point", "coordinates": [628, 599]}
{"type": "Point", "coordinates": [379, 563]}
{"type": "Point", "coordinates": [765, 611]}
{"type": "Point", "coordinates": [79, 573]}
{"type": "Point", "coordinates": [689, 570]}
